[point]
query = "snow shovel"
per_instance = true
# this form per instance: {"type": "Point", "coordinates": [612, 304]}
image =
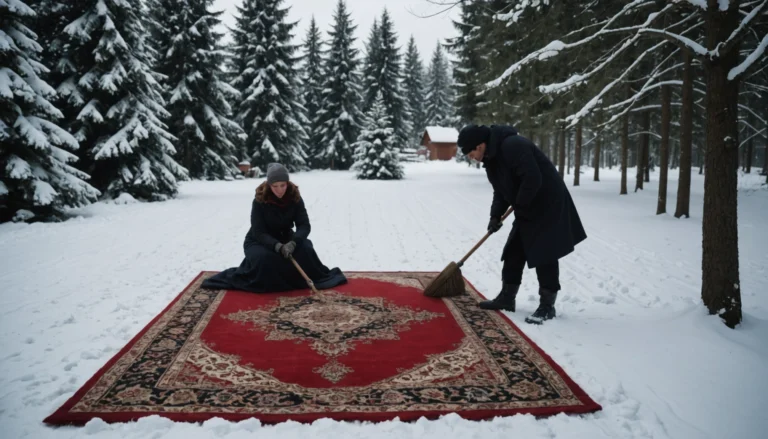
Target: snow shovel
{"type": "Point", "coordinates": [304, 275]}
{"type": "Point", "coordinates": [450, 281]}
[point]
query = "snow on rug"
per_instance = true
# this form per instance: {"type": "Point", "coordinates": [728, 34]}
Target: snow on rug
{"type": "Point", "coordinates": [371, 350]}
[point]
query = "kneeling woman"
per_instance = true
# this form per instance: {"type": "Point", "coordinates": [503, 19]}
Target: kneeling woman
{"type": "Point", "coordinates": [271, 242]}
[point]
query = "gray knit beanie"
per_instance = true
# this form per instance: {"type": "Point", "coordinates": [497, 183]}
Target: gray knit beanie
{"type": "Point", "coordinates": [276, 172]}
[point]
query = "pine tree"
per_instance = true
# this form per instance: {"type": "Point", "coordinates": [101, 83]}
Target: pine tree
{"type": "Point", "coordinates": [383, 74]}
{"type": "Point", "coordinates": [312, 78]}
{"type": "Point", "coordinates": [269, 109]}
{"type": "Point", "coordinates": [439, 103]}
{"type": "Point", "coordinates": [468, 63]}
{"type": "Point", "coordinates": [157, 15]}
{"type": "Point", "coordinates": [340, 116]}
{"type": "Point", "coordinates": [116, 102]}
{"type": "Point", "coordinates": [414, 91]}
{"type": "Point", "coordinates": [52, 17]}
{"type": "Point", "coordinates": [189, 56]}
{"type": "Point", "coordinates": [376, 157]}
{"type": "Point", "coordinates": [37, 181]}
{"type": "Point", "coordinates": [370, 79]}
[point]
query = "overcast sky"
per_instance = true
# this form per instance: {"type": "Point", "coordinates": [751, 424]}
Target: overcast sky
{"type": "Point", "coordinates": [404, 13]}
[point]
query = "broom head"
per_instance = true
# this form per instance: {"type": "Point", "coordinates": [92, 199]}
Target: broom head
{"type": "Point", "coordinates": [448, 283]}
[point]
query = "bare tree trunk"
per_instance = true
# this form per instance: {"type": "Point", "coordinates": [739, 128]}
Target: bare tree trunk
{"type": "Point", "coordinates": [720, 286]}
{"type": "Point", "coordinates": [568, 156]}
{"type": "Point", "coordinates": [750, 146]}
{"type": "Point", "coordinates": [561, 153]}
{"type": "Point", "coordinates": [666, 120]}
{"type": "Point", "coordinates": [642, 149]}
{"type": "Point", "coordinates": [647, 147]}
{"type": "Point", "coordinates": [598, 147]}
{"type": "Point", "coordinates": [624, 149]}
{"type": "Point", "coordinates": [675, 153]}
{"type": "Point", "coordinates": [765, 150]}
{"type": "Point", "coordinates": [577, 156]}
{"type": "Point", "coordinates": [765, 161]}
{"type": "Point", "coordinates": [686, 140]}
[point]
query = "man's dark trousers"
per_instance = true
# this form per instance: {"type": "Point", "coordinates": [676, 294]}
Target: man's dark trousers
{"type": "Point", "coordinates": [514, 264]}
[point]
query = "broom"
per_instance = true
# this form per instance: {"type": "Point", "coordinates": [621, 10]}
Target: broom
{"type": "Point", "coordinates": [304, 275]}
{"type": "Point", "coordinates": [450, 282]}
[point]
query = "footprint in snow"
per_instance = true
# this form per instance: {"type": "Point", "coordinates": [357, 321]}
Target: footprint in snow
{"type": "Point", "coordinates": [605, 300]}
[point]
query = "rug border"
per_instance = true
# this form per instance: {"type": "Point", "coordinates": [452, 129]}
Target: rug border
{"type": "Point", "coordinates": [62, 416]}
{"type": "Point", "coordinates": [589, 404]}
{"type": "Point", "coordinates": [57, 417]}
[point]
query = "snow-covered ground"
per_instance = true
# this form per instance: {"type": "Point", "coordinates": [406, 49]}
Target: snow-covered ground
{"type": "Point", "coordinates": [631, 329]}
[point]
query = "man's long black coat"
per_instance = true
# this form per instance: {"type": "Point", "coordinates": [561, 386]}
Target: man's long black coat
{"type": "Point", "coordinates": [523, 177]}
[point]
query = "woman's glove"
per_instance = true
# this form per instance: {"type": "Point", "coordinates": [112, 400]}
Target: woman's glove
{"type": "Point", "coordinates": [287, 249]}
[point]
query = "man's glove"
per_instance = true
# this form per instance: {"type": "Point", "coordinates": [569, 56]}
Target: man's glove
{"type": "Point", "coordinates": [287, 249]}
{"type": "Point", "coordinates": [494, 225]}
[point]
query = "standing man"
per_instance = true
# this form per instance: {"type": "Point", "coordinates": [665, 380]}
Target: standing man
{"type": "Point", "coordinates": [546, 227]}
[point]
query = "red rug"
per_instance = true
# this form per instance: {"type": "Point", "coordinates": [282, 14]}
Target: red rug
{"type": "Point", "coordinates": [371, 350]}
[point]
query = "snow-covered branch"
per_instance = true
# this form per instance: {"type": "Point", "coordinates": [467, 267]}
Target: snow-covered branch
{"type": "Point", "coordinates": [750, 60]}
{"type": "Point", "coordinates": [555, 47]}
{"type": "Point", "coordinates": [643, 91]}
{"type": "Point", "coordinates": [574, 118]}
{"type": "Point", "coordinates": [748, 109]}
{"type": "Point", "coordinates": [578, 79]}
{"type": "Point", "coordinates": [684, 41]}
{"type": "Point", "coordinates": [758, 133]}
{"type": "Point", "coordinates": [727, 45]}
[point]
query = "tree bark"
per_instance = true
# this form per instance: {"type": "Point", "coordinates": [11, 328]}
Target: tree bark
{"type": "Point", "coordinates": [686, 140]}
{"type": "Point", "coordinates": [765, 161]}
{"type": "Point", "coordinates": [666, 120]}
{"type": "Point", "coordinates": [642, 150]}
{"type": "Point", "coordinates": [577, 156]}
{"type": "Point", "coordinates": [765, 150]}
{"type": "Point", "coordinates": [720, 286]}
{"type": "Point", "coordinates": [625, 146]}
{"type": "Point", "coordinates": [750, 146]}
{"type": "Point", "coordinates": [598, 148]}
{"type": "Point", "coordinates": [561, 153]}
{"type": "Point", "coordinates": [568, 156]}
{"type": "Point", "coordinates": [647, 148]}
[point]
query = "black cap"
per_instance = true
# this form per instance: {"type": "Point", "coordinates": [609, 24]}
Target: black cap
{"type": "Point", "coordinates": [472, 135]}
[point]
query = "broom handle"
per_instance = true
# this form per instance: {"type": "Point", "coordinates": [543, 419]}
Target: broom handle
{"type": "Point", "coordinates": [306, 278]}
{"type": "Point", "coordinates": [461, 262]}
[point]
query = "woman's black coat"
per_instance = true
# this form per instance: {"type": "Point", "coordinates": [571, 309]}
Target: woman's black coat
{"type": "Point", "coordinates": [271, 223]}
{"type": "Point", "coordinates": [523, 177]}
{"type": "Point", "coordinates": [264, 269]}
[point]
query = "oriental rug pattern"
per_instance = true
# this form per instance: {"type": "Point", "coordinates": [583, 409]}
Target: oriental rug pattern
{"type": "Point", "coordinates": [373, 349]}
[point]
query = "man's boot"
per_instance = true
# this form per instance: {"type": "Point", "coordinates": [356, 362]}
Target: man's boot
{"type": "Point", "coordinates": [505, 300]}
{"type": "Point", "coordinates": [546, 309]}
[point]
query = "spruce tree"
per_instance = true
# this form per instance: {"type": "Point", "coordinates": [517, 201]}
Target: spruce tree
{"type": "Point", "coordinates": [439, 103]}
{"type": "Point", "coordinates": [370, 77]}
{"type": "Point", "coordinates": [52, 17]}
{"type": "Point", "coordinates": [376, 157]}
{"type": "Point", "coordinates": [414, 91]}
{"type": "Point", "coordinates": [312, 79]}
{"type": "Point", "coordinates": [190, 56]}
{"type": "Point", "coordinates": [383, 74]}
{"type": "Point", "coordinates": [269, 109]}
{"type": "Point", "coordinates": [37, 181]}
{"type": "Point", "coordinates": [468, 62]}
{"type": "Point", "coordinates": [340, 116]}
{"type": "Point", "coordinates": [116, 102]}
